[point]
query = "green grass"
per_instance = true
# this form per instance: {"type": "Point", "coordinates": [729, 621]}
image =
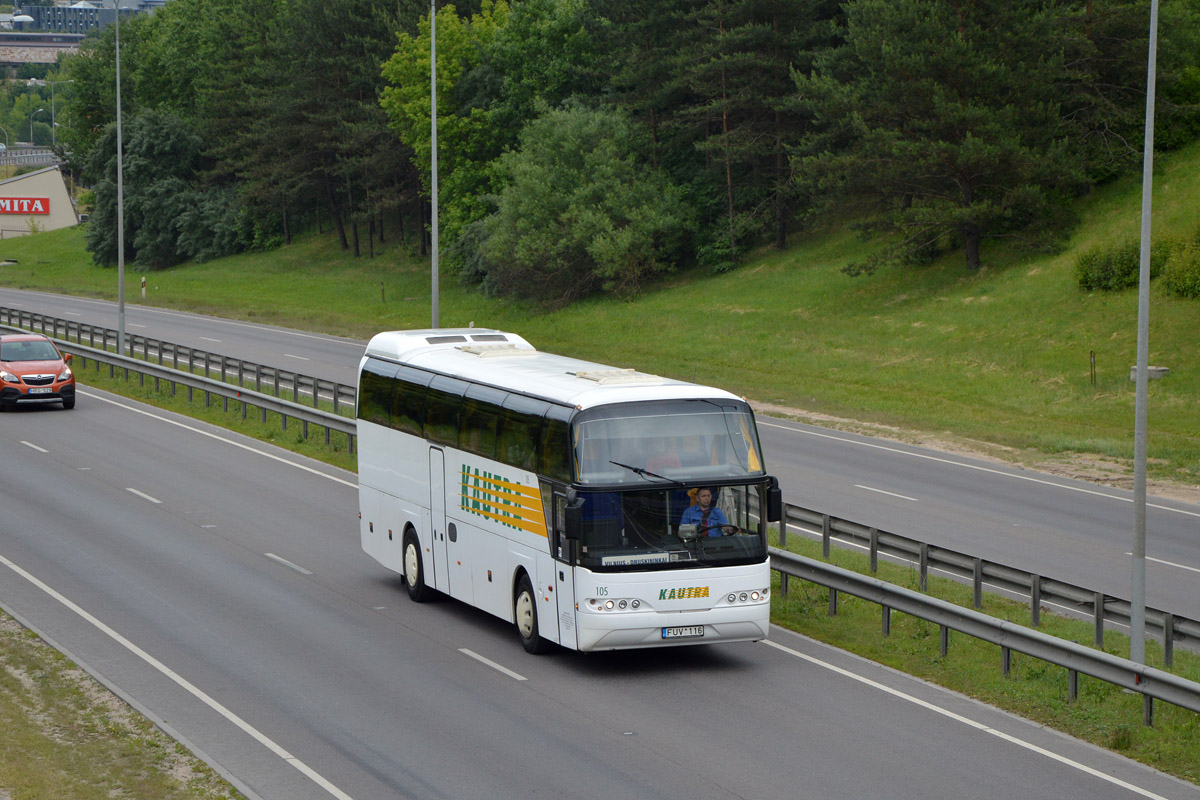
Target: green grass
{"type": "Point", "coordinates": [999, 357]}
{"type": "Point", "coordinates": [64, 736]}
{"type": "Point", "coordinates": [1102, 714]}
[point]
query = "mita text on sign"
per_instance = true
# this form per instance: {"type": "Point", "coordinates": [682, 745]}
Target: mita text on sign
{"type": "Point", "coordinates": [24, 205]}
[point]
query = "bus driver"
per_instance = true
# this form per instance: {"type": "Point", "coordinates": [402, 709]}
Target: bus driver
{"type": "Point", "coordinates": [708, 519]}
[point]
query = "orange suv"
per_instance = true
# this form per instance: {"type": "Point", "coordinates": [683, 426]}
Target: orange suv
{"type": "Point", "coordinates": [32, 370]}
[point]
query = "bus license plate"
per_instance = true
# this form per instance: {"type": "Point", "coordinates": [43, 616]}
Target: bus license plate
{"type": "Point", "coordinates": [41, 390]}
{"type": "Point", "coordinates": [683, 633]}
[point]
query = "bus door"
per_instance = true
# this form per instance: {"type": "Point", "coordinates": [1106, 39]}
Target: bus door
{"type": "Point", "coordinates": [564, 579]}
{"type": "Point", "coordinates": [437, 519]}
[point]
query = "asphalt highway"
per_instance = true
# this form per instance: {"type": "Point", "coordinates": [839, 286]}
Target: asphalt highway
{"type": "Point", "coordinates": [217, 583]}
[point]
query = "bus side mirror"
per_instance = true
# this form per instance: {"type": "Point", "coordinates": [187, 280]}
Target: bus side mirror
{"type": "Point", "coordinates": [573, 520]}
{"type": "Point", "coordinates": [774, 504]}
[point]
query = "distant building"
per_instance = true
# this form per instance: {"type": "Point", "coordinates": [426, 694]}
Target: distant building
{"type": "Point", "coordinates": [35, 202]}
{"type": "Point", "coordinates": [80, 17]}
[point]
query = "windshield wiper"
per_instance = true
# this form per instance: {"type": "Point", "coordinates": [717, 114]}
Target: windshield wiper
{"type": "Point", "coordinates": [645, 473]}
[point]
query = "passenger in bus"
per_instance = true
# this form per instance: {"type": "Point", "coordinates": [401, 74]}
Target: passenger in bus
{"type": "Point", "coordinates": [707, 518]}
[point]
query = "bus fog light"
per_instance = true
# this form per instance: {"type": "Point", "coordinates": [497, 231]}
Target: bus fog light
{"type": "Point", "coordinates": [622, 604]}
{"type": "Point", "coordinates": [635, 604]}
{"type": "Point", "coordinates": [754, 596]}
{"type": "Point", "coordinates": [743, 597]}
{"type": "Point", "coordinates": [609, 605]}
{"type": "Point", "coordinates": [732, 597]}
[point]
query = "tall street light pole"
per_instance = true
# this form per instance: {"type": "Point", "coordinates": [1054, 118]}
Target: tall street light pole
{"type": "Point", "coordinates": [433, 149]}
{"type": "Point", "coordinates": [53, 124]}
{"type": "Point", "coordinates": [40, 110]}
{"type": "Point", "coordinates": [1137, 612]}
{"type": "Point", "coordinates": [120, 200]}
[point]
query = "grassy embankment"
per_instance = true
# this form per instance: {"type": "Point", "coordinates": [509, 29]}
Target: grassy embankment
{"type": "Point", "coordinates": [998, 359]}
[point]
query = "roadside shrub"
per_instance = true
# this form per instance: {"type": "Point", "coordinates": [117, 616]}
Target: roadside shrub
{"type": "Point", "coordinates": [1181, 276]}
{"type": "Point", "coordinates": [1111, 268]}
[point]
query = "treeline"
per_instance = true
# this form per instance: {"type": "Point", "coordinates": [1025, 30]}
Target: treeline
{"type": "Point", "coordinates": [588, 146]}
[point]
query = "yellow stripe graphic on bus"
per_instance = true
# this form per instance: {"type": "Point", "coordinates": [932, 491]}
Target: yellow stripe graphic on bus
{"type": "Point", "coordinates": [494, 497]}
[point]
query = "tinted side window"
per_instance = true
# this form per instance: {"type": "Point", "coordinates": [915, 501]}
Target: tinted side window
{"type": "Point", "coordinates": [409, 400]}
{"type": "Point", "coordinates": [375, 391]}
{"type": "Point", "coordinates": [441, 410]}
{"type": "Point", "coordinates": [520, 426]}
{"type": "Point", "coordinates": [480, 419]}
{"type": "Point", "coordinates": [555, 455]}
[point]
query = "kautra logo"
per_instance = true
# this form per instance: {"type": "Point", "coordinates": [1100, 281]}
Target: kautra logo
{"type": "Point", "coordinates": [489, 495]}
{"type": "Point", "coordinates": [689, 593]}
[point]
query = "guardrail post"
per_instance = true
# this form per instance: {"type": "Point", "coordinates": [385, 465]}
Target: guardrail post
{"type": "Point", "coordinates": [924, 561]}
{"type": "Point", "coordinates": [977, 580]}
{"type": "Point", "coordinates": [826, 531]}
{"type": "Point", "coordinates": [1072, 685]}
{"type": "Point", "coordinates": [1169, 639]}
{"type": "Point", "coordinates": [874, 536]}
{"type": "Point", "coordinates": [1035, 600]}
{"type": "Point", "coordinates": [887, 620]}
{"type": "Point", "coordinates": [1005, 661]}
{"type": "Point", "coordinates": [944, 643]}
{"type": "Point", "coordinates": [833, 602]}
{"type": "Point", "coordinates": [1098, 608]}
{"type": "Point", "coordinates": [1148, 711]}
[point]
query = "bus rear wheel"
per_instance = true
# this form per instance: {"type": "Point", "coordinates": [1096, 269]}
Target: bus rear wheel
{"type": "Point", "coordinates": [525, 613]}
{"type": "Point", "coordinates": [414, 570]}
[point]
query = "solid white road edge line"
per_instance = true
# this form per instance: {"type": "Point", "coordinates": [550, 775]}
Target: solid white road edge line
{"type": "Point", "coordinates": [975, 467]}
{"type": "Point", "coordinates": [1169, 563]}
{"type": "Point", "coordinates": [182, 682]}
{"type": "Point", "coordinates": [514, 675]}
{"type": "Point", "coordinates": [219, 438]}
{"type": "Point", "coordinates": [968, 722]}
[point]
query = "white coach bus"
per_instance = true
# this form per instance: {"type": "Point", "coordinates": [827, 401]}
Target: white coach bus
{"type": "Point", "coordinates": [595, 508]}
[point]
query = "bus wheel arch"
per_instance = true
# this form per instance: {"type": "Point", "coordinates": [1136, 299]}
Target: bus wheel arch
{"type": "Point", "coordinates": [525, 615]}
{"type": "Point", "coordinates": [414, 567]}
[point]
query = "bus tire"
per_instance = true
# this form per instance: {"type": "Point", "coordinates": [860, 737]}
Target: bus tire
{"type": "Point", "coordinates": [414, 569]}
{"type": "Point", "coordinates": [525, 614]}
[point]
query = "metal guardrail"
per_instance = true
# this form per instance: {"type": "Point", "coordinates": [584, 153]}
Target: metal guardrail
{"type": "Point", "coordinates": [1152, 684]}
{"type": "Point", "coordinates": [1101, 608]}
{"type": "Point", "coordinates": [191, 358]}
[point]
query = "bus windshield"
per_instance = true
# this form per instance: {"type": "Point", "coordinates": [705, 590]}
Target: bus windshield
{"type": "Point", "coordinates": [668, 528]}
{"type": "Point", "coordinates": [670, 441]}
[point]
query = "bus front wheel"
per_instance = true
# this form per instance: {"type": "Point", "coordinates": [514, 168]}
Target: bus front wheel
{"type": "Point", "coordinates": [525, 612]}
{"type": "Point", "coordinates": [414, 571]}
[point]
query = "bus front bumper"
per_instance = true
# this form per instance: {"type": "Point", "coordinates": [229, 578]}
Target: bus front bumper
{"type": "Point", "coordinates": [631, 630]}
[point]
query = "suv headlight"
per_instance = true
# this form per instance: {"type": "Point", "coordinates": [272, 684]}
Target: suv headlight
{"type": "Point", "coordinates": [65, 375]}
{"type": "Point", "coordinates": [8, 377]}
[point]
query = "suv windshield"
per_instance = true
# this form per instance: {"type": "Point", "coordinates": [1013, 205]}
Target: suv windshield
{"type": "Point", "coordinates": [652, 528]}
{"type": "Point", "coordinates": [667, 442]}
{"type": "Point", "coordinates": [28, 351]}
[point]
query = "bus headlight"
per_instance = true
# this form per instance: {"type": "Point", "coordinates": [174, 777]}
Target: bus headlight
{"type": "Point", "coordinates": [619, 604]}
